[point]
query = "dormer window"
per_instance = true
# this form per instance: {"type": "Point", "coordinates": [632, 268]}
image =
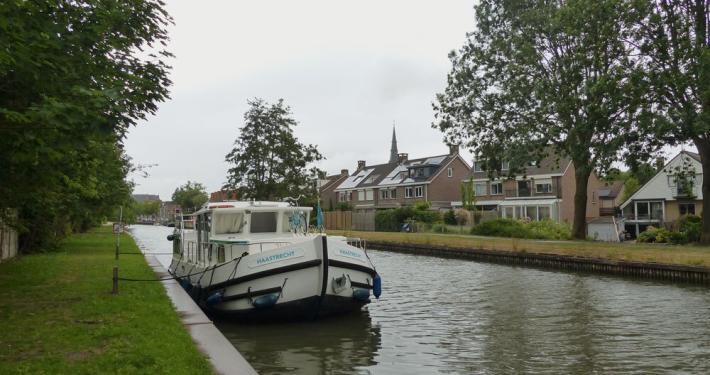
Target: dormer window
{"type": "Point", "coordinates": [477, 167]}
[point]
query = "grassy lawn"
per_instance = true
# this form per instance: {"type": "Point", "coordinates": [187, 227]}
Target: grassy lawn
{"type": "Point", "coordinates": [671, 254]}
{"type": "Point", "coordinates": [57, 314]}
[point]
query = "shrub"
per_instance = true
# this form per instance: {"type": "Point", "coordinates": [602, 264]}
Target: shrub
{"type": "Point", "coordinates": [440, 228]}
{"type": "Point", "coordinates": [653, 234]}
{"type": "Point", "coordinates": [691, 226]}
{"type": "Point", "coordinates": [391, 220]}
{"type": "Point", "coordinates": [502, 228]}
{"type": "Point", "coordinates": [549, 230]}
{"type": "Point", "coordinates": [461, 216]}
{"type": "Point", "coordinates": [450, 217]}
{"type": "Point", "coordinates": [678, 238]}
{"type": "Point", "coordinates": [542, 230]}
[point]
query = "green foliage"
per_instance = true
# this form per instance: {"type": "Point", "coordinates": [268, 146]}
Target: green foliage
{"type": "Point", "coordinates": [537, 78]}
{"type": "Point", "coordinates": [687, 229]}
{"type": "Point", "coordinates": [344, 206]}
{"type": "Point", "coordinates": [439, 228]}
{"type": "Point", "coordinates": [391, 220]}
{"type": "Point", "coordinates": [545, 229]}
{"type": "Point", "coordinates": [631, 186]}
{"type": "Point", "coordinates": [450, 217]}
{"type": "Point", "coordinates": [654, 235]}
{"type": "Point", "coordinates": [267, 161]}
{"type": "Point", "coordinates": [190, 196]}
{"type": "Point", "coordinates": [691, 225]}
{"type": "Point", "coordinates": [74, 77]}
{"type": "Point", "coordinates": [468, 196]}
{"type": "Point", "coordinates": [147, 208]}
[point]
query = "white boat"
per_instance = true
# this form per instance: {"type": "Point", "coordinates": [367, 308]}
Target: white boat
{"type": "Point", "coordinates": [257, 260]}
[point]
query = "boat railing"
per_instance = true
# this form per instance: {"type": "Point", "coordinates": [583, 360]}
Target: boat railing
{"type": "Point", "coordinates": [357, 242]}
{"type": "Point", "coordinates": [208, 253]}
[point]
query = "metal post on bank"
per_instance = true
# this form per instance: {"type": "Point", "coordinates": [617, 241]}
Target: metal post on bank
{"type": "Point", "coordinates": [117, 227]}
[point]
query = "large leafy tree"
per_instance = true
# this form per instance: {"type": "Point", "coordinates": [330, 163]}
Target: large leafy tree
{"type": "Point", "coordinates": [268, 162]}
{"type": "Point", "coordinates": [190, 196]}
{"type": "Point", "coordinates": [539, 77]}
{"type": "Point", "coordinates": [74, 76]}
{"type": "Point", "coordinates": [675, 41]}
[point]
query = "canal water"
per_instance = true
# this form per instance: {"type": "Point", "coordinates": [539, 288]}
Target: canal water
{"type": "Point", "coordinates": [460, 317]}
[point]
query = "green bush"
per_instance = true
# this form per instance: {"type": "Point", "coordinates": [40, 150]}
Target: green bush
{"type": "Point", "coordinates": [654, 235]}
{"type": "Point", "coordinates": [543, 230]}
{"type": "Point", "coordinates": [391, 220]}
{"type": "Point", "coordinates": [678, 238]}
{"type": "Point", "coordinates": [549, 230]}
{"type": "Point", "coordinates": [450, 217]}
{"type": "Point", "coordinates": [501, 228]}
{"type": "Point", "coordinates": [691, 226]}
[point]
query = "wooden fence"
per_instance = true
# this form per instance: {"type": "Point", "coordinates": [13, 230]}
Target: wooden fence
{"type": "Point", "coordinates": [8, 242]}
{"type": "Point", "coordinates": [348, 220]}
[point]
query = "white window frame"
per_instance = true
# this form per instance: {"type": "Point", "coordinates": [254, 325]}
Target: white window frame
{"type": "Point", "coordinates": [409, 192]}
{"type": "Point", "coordinates": [505, 166]}
{"type": "Point", "coordinates": [477, 167]}
{"type": "Point", "coordinates": [419, 191]}
{"type": "Point", "coordinates": [369, 195]}
{"type": "Point", "coordinates": [361, 195]}
{"type": "Point", "coordinates": [500, 191]}
{"type": "Point", "coordinates": [450, 172]}
{"type": "Point", "coordinates": [476, 186]}
{"type": "Point", "coordinates": [538, 191]}
{"type": "Point", "coordinates": [384, 194]}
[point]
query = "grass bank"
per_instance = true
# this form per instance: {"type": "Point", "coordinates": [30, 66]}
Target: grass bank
{"type": "Point", "coordinates": [58, 315]}
{"type": "Point", "coordinates": [692, 255]}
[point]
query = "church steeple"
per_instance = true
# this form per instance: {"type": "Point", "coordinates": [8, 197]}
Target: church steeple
{"type": "Point", "coordinates": [393, 151]}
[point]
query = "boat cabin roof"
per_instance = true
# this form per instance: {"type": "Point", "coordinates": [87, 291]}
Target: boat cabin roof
{"type": "Point", "coordinates": [242, 206]}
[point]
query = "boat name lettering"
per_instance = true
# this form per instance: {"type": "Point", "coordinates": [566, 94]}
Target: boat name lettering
{"type": "Point", "coordinates": [282, 255]}
{"type": "Point", "coordinates": [350, 253]}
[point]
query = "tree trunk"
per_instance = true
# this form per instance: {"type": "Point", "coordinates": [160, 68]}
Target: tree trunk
{"type": "Point", "coordinates": [581, 178]}
{"type": "Point", "coordinates": [703, 146]}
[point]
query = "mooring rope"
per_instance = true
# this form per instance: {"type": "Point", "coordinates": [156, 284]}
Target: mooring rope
{"type": "Point", "coordinates": [188, 275]}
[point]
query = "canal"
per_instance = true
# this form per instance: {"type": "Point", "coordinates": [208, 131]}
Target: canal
{"type": "Point", "coordinates": [441, 315]}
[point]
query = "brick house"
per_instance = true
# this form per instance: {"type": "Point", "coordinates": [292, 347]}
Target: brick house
{"type": "Point", "coordinates": [403, 181]}
{"type": "Point", "coordinates": [546, 191]}
{"type": "Point", "coordinates": [326, 188]}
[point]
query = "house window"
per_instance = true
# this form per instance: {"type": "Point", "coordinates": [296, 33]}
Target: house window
{"type": "Point", "coordinates": [384, 194]}
{"type": "Point", "coordinates": [369, 195]}
{"type": "Point", "coordinates": [687, 208]}
{"type": "Point", "coordinates": [479, 189]}
{"type": "Point", "coordinates": [419, 191]}
{"type": "Point", "coordinates": [393, 194]}
{"type": "Point", "coordinates": [524, 188]}
{"type": "Point", "coordinates": [361, 195]}
{"type": "Point", "coordinates": [450, 172]}
{"type": "Point", "coordinates": [545, 187]}
{"type": "Point", "coordinates": [594, 197]}
{"type": "Point", "coordinates": [505, 166]}
{"type": "Point", "coordinates": [543, 212]}
{"type": "Point", "coordinates": [496, 188]}
{"type": "Point", "coordinates": [477, 167]}
{"type": "Point", "coordinates": [408, 192]}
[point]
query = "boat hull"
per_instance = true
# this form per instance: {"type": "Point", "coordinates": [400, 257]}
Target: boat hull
{"type": "Point", "coordinates": [303, 280]}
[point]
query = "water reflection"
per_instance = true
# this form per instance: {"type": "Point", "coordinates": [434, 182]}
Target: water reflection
{"type": "Point", "coordinates": [454, 316]}
{"type": "Point", "coordinates": [330, 346]}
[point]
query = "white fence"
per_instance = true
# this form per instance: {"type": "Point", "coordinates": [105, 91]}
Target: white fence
{"type": "Point", "coordinates": [8, 242]}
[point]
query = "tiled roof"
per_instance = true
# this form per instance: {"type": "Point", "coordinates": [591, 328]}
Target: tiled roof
{"type": "Point", "coordinates": [390, 174]}
{"type": "Point", "coordinates": [550, 165]}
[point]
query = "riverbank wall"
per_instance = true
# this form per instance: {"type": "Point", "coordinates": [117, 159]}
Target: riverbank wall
{"type": "Point", "coordinates": [648, 270]}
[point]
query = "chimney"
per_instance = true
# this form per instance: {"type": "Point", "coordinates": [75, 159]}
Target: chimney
{"type": "Point", "coordinates": [453, 150]}
{"type": "Point", "coordinates": [360, 165]}
{"type": "Point", "coordinates": [344, 172]}
{"type": "Point", "coordinates": [402, 158]}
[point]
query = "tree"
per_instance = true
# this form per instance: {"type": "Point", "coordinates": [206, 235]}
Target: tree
{"type": "Point", "coordinates": [268, 162]}
{"type": "Point", "coordinates": [190, 196]}
{"type": "Point", "coordinates": [539, 78]}
{"type": "Point", "coordinates": [675, 44]}
{"type": "Point", "coordinates": [74, 76]}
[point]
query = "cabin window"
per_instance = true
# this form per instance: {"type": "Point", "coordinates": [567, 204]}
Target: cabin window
{"type": "Point", "coordinates": [286, 225]}
{"type": "Point", "coordinates": [228, 223]}
{"type": "Point", "coordinates": [263, 222]}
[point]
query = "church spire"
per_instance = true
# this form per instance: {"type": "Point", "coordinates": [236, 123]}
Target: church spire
{"type": "Point", "coordinates": [393, 150]}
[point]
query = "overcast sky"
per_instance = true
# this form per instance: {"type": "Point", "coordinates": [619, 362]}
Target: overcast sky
{"type": "Point", "coordinates": [347, 69]}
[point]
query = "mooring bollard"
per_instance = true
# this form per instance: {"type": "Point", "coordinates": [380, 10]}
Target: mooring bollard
{"type": "Point", "coordinates": [115, 280]}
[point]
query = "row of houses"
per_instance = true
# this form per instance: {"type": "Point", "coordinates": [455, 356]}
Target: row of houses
{"type": "Point", "coordinates": [545, 192]}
